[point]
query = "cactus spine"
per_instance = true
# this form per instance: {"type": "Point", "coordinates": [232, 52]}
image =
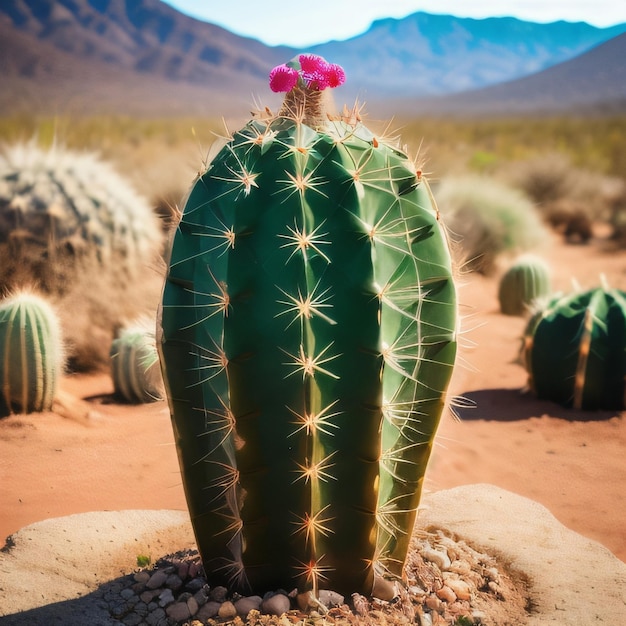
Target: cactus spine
{"type": "Point", "coordinates": [575, 349]}
{"type": "Point", "coordinates": [135, 364]}
{"type": "Point", "coordinates": [308, 338]}
{"type": "Point", "coordinates": [525, 281]}
{"type": "Point", "coordinates": [31, 355]}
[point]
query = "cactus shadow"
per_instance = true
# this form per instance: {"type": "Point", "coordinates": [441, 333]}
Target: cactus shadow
{"type": "Point", "coordinates": [511, 405]}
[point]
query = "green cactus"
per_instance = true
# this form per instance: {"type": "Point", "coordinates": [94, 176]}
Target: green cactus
{"type": "Point", "coordinates": [31, 354]}
{"type": "Point", "coordinates": [308, 336]}
{"type": "Point", "coordinates": [78, 232]}
{"type": "Point", "coordinates": [574, 349]}
{"type": "Point", "coordinates": [135, 364]}
{"type": "Point", "coordinates": [525, 281]}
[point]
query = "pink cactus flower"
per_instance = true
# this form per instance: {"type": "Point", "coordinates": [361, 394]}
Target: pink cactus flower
{"type": "Point", "coordinates": [283, 78]}
{"type": "Point", "coordinates": [335, 75]}
{"type": "Point", "coordinates": [315, 72]}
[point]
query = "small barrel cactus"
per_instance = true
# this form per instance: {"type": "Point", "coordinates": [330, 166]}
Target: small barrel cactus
{"type": "Point", "coordinates": [575, 349]}
{"type": "Point", "coordinates": [525, 281]}
{"type": "Point", "coordinates": [135, 364]}
{"type": "Point", "coordinates": [31, 354]}
{"type": "Point", "coordinates": [78, 232]}
{"type": "Point", "coordinates": [308, 337]}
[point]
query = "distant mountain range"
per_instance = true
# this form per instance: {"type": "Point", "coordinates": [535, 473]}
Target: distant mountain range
{"type": "Point", "coordinates": [144, 57]}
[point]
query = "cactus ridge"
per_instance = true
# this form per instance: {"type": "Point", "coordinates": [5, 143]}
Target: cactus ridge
{"type": "Point", "coordinates": [31, 354]}
{"type": "Point", "coordinates": [574, 349]}
{"type": "Point", "coordinates": [308, 336]}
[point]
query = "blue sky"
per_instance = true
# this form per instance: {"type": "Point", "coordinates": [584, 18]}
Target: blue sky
{"type": "Point", "coordinates": [299, 24]}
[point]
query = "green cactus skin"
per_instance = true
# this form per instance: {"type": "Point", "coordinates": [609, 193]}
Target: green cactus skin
{"type": "Point", "coordinates": [308, 336]}
{"type": "Point", "coordinates": [575, 349]}
{"type": "Point", "coordinates": [135, 365]}
{"type": "Point", "coordinates": [31, 354]}
{"type": "Point", "coordinates": [524, 282]}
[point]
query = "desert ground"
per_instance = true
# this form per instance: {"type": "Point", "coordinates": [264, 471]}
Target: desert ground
{"type": "Point", "coordinates": [94, 453]}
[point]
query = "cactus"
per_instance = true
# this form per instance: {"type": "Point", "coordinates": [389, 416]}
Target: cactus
{"type": "Point", "coordinates": [135, 364]}
{"type": "Point", "coordinates": [308, 335]}
{"type": "Point", "coordinates": [79, 233]}
{"type": "Point", "coordinates": [574, 349]}
{"type": "Point", "coordinates": [31, 354]}
{"type": "Point", "coordinates": [525, 281]}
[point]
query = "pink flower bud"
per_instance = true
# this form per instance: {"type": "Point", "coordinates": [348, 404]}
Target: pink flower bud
{"type": "Point", "coordinates": [334, 75]}
{"type": "Point", "coordinates": [283, 78]}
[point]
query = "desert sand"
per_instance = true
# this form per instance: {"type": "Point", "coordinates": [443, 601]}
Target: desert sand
{"type": "Point", "coordinates": [96, 454]}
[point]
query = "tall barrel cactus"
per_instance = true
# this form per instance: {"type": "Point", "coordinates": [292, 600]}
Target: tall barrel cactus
{"type": "Point", "coordinates": [308, 336]}
{"type": "Point", "coordinates": [575, 349]}
{"type": "Point", "coordinates": [524, 282]}
{"type": "Point", "coordinates": [135, 364]}
{"type": "Point", "coordinates": [31, 354]}
{"type": "Point", "coordinates": [76, 230]}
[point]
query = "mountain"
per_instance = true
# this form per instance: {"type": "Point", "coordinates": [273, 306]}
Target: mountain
{"type": "Point", "coordinates": [426, 54]}
{"type": "Point", "coordinates": [107, 51]}
{"type": "Point", "coordinates": [594, 81]}
{"type": "Point", "coordinates": [143, 57]}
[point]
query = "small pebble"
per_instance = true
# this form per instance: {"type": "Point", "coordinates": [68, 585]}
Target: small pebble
{"type": "Point", "coordinates": [438, 557]}
{"type": "Point", "coordinates": [166, 598]}
{"type": "Point", "coordinates": [218, 594]}
{"type": "Point", "coordinates": [445, 593]}
{"type": "Point", "coordinates": [178, 611]}
{"type": "Point", "coordinates": [247, 604]}
{"type": "Point", "coordinates": [460, 588]}
{"type": "Point", "coordinates": [227, 610]}
{"type": "Point", "coordinates": [157, 579]}
{"type": "Point", "coordinates": [276, 605]}
{"type": "Point", "coordinates": [208, 611]}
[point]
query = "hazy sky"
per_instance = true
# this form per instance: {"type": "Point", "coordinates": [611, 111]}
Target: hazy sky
{"type": "Point", "coordinates": [297, 23]}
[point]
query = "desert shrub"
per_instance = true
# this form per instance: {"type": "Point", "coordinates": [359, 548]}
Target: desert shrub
{"type": "Point", "coordinates": [77, 231]}
{"type": "Point", "coordinates": [488, 218]}
{"type": "Point", "coordinates": [569, 198]}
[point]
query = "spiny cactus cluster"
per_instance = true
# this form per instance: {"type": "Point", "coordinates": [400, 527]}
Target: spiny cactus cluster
{"type": "Point", "coordinates": [135, 364]}
{"type": "Point", "coordinates": [523, 283]}
{"type": "Point", "coordinates": [575, 349]}
{"type": "Point", "coordinates": [74, 229]}
{"type": "Point", "coordinates": [31, 354]}
{"type": "Point", "coordinates": [308, 336]}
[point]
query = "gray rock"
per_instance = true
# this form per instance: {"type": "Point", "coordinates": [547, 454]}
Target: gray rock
{"type": "Point", "coordinates": [276, 604]}
{"type": "Point", "coordinates": [247, 604]}
{"type": "Point", "coordinates": [157, 579]}
{"type": "Point", "coordinates": [179, 611]}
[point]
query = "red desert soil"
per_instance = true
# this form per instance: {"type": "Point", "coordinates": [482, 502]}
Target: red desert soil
{"type": "Point", "coordinates": [95, 454]}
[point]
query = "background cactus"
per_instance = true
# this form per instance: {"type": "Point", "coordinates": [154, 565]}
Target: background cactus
{"type": "Point", "coordinates": [135, 364]}
{"type": "Point", "coordinates": [575, 349]}
{"type": "Point", "coordinates": [76, 230]}
{"type": "Point", "coordinates": [31, 354]}
{"type": "Point", "coordinates": [525, 281]}
{"type": "Point", "coordinates": [308, 338]}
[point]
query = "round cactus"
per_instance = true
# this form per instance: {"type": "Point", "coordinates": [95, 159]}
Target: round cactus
{"type": "Point", "coordinates": [575, 349]}
{"type": "Point", "coordinates": [31, 354]}
{"type": "Point", "coordinates": [78, 232]}
{"type": "Point", "coordinates": [135, 364]}
{"type": "Point", "coordinates": [525, 281]}
{"type": "Point", "coordinates": [308, 337]}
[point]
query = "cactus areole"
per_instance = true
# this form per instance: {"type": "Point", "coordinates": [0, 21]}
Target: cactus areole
{"type": "Point", "coordinates": [308, 338]}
